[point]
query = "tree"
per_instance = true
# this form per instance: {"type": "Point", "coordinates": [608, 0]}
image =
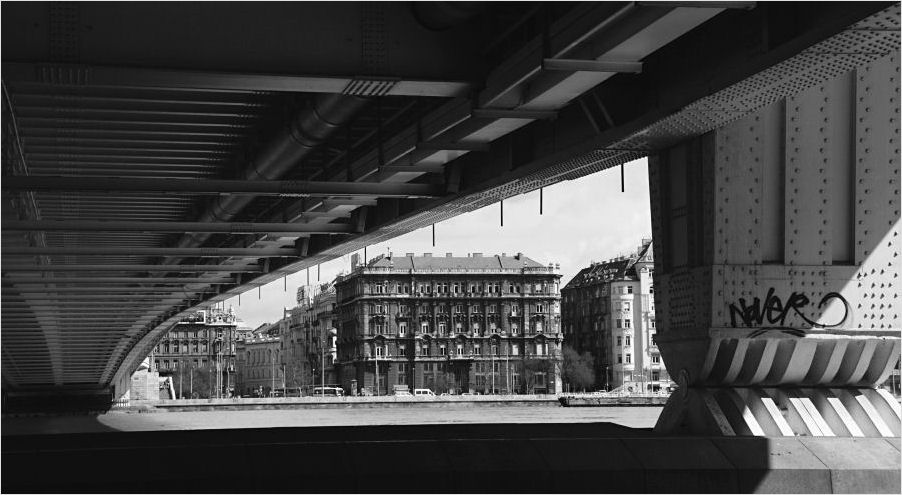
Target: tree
{"type": "Point", "coordinates": [577, 368]}
{"type": "Point", "coordinates": [195, 383]}
{"type": "Point", "coordinates": [532, 366]}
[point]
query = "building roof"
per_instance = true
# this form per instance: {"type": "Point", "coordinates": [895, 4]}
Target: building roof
{"type": "Point", "coordinates": [473, 261]}
{"type": "Point", "coordinates": [623, 268]}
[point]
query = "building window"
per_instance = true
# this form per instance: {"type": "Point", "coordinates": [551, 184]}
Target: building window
{"type": "Point", "coordinates": [626, 306]}
{"type": "Point", "coordinates": [194, 346]}
{"type": "Point", "coordinates": [629, 340]}
{"type": "Point", "coordinates": [402, 351]}
{"type": "Point", "coordinates": [425, 351]}
{"type": "Point", "coordinates": [540, 308]}
{"type": "Point", "coordinates": [629, 358]}
{"type": "Point", "coordinates": [626, 323]}
{"type": "Point", "coordinates": [442, 328]}
{"type": "Point", "coordinates": [156, 363]}
{"type": "Point", "coordinates": [459, 309]}
{"type": "Point", "coordinates": [424, 327]}
{"type": "Point", "coordinates": [540, 379]}
{"type": "Point", "coordinates": [476, 328]}
{"type": "Point", "coordinates": [494, 349]}
{"type": "Point", "coordinates": [380, 309]}
{"type": "Point", "coordinates": [515, 349]}
{"type": "Point", "coordinates": [402, 329]}
{"type": "Point", "coordinates": [477, 349]}
{"type": "Point", "coordinates": [402, 373]}
{"type": "Point", "coordinates": [492, 309]}
{"type": "Point", "coordinates": [617, 306]}
{"type": "Point", "coordinates": [515, 310]}
{"type": "Point", "coordinates": [514, 328]}
{"type": "Point", "coordinates": [619, 323]}
{"type": "Point", "coordinates": [380, 351]}
{"type": "Point", "coordinates": [619, 341]}
{"type": "Point", "coordinates": [493, 327]}
{"type": "Point", "coordinates": [619, 359]}
{"type": "Point", "coordinates": [460, 350]}
{"type": "Point", "coordinates": [629, 289]}
{"type": "Point", "coordinates": [442, 350]}
{"type": "Point", "coordinates": [459, 327]}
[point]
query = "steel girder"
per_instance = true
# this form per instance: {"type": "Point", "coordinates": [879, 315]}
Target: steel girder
{"type": "Point", "coordinates": [507, 123]}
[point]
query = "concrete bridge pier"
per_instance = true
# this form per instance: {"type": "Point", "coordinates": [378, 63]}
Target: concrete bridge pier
{"type": "Point", "coordinates": [777, 277]}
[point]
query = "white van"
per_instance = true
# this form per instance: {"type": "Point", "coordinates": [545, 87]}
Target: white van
{"type": "Point", "coordinates": [423, 392]}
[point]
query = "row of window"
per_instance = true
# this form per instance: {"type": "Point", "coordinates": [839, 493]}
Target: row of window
{"type": "Point", "coordinates": [541, 349]}
{"type": "Point", "coordinates": [458, 309]}
{"type": "Point", "coordinates": [379, 328]}
{"type": "Point", "coordinates": [166, 364]}
{"type": "Point", "coordinates": [460, 288]}
{"type": "Point", "coordinates": [655, 358]}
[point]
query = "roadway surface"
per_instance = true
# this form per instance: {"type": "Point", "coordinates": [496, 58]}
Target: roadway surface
{"type": "Point", "coordinates": [632, 417]}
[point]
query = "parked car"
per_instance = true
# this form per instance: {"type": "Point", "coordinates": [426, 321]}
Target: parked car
{"type": "Point", "coordinates": [423, 392]}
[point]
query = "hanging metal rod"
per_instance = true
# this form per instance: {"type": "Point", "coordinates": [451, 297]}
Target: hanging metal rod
{"type": "Point", "coordinates": [221, 186]}
{"type": "Point", "coordinates": [210, 252]}
{"type": "Point", "coordinates": [156, 226]}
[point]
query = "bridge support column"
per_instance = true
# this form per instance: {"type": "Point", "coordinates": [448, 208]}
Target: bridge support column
{"type": "Point", "coordinates": [777, 270]}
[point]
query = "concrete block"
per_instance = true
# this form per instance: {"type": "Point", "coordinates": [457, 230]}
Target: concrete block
{"type": "Point", "coordinates": [858, 465]}
{"type": "Point", "coordinates": [775, 465]}
{"type": "Point", "coordinates": [683, 465]}
{"type": "Point", "coordinates": [496, 465]}
{"type": "Point", "coordinates": [591, 465]}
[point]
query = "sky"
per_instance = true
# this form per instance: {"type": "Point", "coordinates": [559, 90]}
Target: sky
{"type": "Point", "coordinates": [584, 220]}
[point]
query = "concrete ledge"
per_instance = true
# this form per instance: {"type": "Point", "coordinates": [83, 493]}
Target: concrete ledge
{"type": "Point", "coordinates": [505, 458]}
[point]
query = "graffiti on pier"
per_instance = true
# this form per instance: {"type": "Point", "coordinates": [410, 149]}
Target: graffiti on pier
{"type": "Point", "coordinates": [772, 312]}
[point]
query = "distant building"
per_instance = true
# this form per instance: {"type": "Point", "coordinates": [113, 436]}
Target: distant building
{"type": "Point", "coordinates": [609, 311]}
{"type": "Point", "coordinates": [203, 342]}
{"type": "Point", "coordinates": [306, 332]}
{"type": "Point", "coordinates": [259, 362]}
{"type": "Point", "coordinates": [477, 324]}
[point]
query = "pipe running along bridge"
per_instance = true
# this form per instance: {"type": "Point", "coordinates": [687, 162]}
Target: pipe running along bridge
{"type": "Point", "coordinates": [161, 157]}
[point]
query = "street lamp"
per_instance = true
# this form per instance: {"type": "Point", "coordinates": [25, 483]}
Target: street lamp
{"type": "Point", "coordinates": [322, 353]}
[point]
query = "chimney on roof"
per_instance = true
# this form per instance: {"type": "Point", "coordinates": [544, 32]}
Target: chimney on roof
{"type": "Point", "coordinates": [448, 255]}
{"type": "Point", "coordinates": [427, 255]}
{"type": "Point", "coordinates": [519, 255]}
{"type": "Point", "coordinates": [477, 255]}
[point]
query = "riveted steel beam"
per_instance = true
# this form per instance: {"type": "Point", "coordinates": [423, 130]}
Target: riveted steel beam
{"type": "Point", "coordinates": [221, 186]}
{"type": "Point", "coordinates": [591, 65]}
{"type": "Point", "coordinates": [12, 267]}
{"type": "Point", "coordinates": [151, 226]}
{"type": "Point", "coordinates": [156, 251]}
{"type": "Point", "coordinates": [115, 280]}
{"type": "Point", "coordinates": [126, 77]}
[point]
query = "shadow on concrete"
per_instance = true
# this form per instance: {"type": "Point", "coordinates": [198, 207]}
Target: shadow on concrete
{"type": "Point", "coordinates": [506, 458]}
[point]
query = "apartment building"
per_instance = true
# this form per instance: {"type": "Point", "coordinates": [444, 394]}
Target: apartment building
{"type": "Point", "coordinates": [609, 311]}
{"type": "Point", "coordinates": [473, 324]}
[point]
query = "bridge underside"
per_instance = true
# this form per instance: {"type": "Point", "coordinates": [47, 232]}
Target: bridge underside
{"type": "Point", "coordinates": [159, 159]}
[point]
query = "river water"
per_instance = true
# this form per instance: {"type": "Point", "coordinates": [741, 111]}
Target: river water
{"type": "Point", "coordinates": [633, 417]}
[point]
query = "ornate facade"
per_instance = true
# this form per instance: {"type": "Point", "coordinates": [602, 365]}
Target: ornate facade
{"type": "Point", "coordinates": [201, 343]}
{"type": "Point", "coordinates": [452, 324]}
{"type": "Point", "coordinates": [609, 311]}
